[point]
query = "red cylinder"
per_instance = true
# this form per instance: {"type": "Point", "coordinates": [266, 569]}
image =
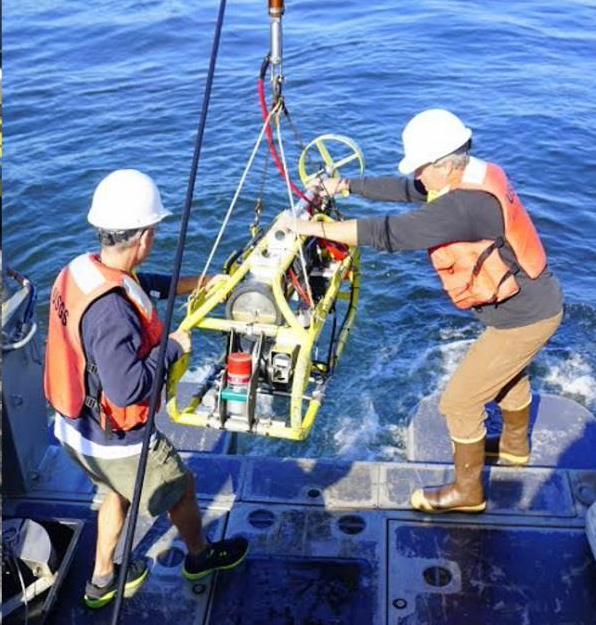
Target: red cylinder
{"type": "Point", "coordinates": [239, 367]}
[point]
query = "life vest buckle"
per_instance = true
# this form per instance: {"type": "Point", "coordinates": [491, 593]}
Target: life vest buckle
{"type": "Point", "coordinates": [91, 402]}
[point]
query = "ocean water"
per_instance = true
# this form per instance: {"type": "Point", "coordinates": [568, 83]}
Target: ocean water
{"type": "Point", "coordinates": [90, 87]}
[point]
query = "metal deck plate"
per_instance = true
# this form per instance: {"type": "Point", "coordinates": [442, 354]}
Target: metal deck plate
{"type": "Point", "coordinates": [456, 574]}
{"type": "Point", "coordinates": [59, 477]}
{"type": "Point", "coordinates": [218, 478]}
{"type": "Point", "coordinates": [306, 565]}
{"type": "Point", "coordinates": [332, 483]}
{"type": "Point", "coordinates": [278, 591]}
{"type": "Point", "coordinates": [510, 490]}
{"type": "Point", "coordinates": [336, 543]}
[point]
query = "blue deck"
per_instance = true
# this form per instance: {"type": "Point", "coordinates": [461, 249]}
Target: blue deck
{"type": "Point", "coordinates": [335, 542]}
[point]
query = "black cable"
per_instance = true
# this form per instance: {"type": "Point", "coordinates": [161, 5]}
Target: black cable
{"type": "Point", "coordinates": [265, 66]}
{"type": "Point", "coordinates": [158, 380]}
{"type": "Point", "coordinates": [330, 354]}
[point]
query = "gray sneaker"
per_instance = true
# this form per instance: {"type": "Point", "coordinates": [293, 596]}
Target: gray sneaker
{"type": "Point", "coordinates": [98, 596]}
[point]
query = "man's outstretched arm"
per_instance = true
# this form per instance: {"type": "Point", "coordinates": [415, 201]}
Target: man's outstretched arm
{"type": "Point", "coordinates": [340, 231]}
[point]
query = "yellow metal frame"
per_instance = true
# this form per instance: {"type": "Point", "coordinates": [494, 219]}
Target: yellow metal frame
{"type": "Point", "coordinates": [292, 334]}
{"type": "Point", "coordinates": [331, 166]}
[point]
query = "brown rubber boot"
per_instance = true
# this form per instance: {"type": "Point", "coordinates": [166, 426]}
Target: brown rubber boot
{"type": "Point", "coordinates": [513, 445]}
{"type": "Point", "coordinates": [466, 493]}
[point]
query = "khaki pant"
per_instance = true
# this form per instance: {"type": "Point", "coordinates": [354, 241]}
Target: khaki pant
{"type": "Point", "coordinates": [493, 369]}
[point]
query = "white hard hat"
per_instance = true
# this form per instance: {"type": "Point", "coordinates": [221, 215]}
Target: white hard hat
{"type": "Point", "coordinates": [126, 199]}
{"type": "Point", "coordinates": [430, 135]}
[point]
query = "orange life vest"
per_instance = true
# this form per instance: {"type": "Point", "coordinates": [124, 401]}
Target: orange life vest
{"type": "Point", "coordinates": [473, 272]}
{"type": "Point", "coordinates": [79, 284]}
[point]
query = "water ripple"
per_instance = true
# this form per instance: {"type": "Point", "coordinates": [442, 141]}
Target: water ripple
{"type": "Point", "coordinates": [96, 86]}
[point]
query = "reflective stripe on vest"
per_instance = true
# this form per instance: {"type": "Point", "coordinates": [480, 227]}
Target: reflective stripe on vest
{"type": "Point", "coordinates": [78, 285]}
{"type": "Point", "coordinates": [474, 273]}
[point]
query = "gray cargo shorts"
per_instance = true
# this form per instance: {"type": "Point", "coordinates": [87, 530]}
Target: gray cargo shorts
{"type": "Point", "coordinates": [165, 478]}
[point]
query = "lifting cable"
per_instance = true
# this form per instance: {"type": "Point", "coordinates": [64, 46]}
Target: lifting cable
{"type": "Point", "coordinates": [159, 374]}
{"type": "Point", "coordinates": [237, 194]}
{"type": "Point", "coordinates": [282, 170]}
{"type": "Point", "coordinates": [255, 227]}
{"type": "Point", "coordinates": [293, 207]}
{"type": "Point", "coordinates": [275, 111]}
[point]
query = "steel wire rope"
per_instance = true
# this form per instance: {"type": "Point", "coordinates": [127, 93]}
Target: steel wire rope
{"type": "Point", "coordinates": [297, 135]}
{"type": "Point", "coordinates": [293, 207]}
{"type": "Point", "coordinates": [264, 177]}
{"type": "Point", "coordinates": [159, 374]}
{"type": "Point", "coordinates": [237, 193]}
{"type": "Point", "coordinates": [255, 227]}
{"type": "Point", "coordinates": [265, 111]}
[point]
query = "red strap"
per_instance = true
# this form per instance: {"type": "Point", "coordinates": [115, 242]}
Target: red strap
{"type": "Point", "coordinates": [280, 166]}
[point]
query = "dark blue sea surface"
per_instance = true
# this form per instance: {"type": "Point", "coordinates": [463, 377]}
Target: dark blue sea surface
{"type": "Point", "coordinates": [90, 87]}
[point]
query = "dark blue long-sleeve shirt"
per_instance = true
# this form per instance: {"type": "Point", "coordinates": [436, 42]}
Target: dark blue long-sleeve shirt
{"type": "Point", "coordinates": [111, 336]}
{"type": "Point", "coordinates": [111, 332]}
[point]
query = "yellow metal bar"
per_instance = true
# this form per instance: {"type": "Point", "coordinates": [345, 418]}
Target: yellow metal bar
{"type": "Point", "coordinates": [225, 325]}
{"type": "Point", "coordinates": [202, 302]}
{"type": "Point", "coordinates": [300, 383]}
{"type": "Point", "coordinates": [325, 154]}
{"type": "Point", "coordinates": [206, 300]}
{"type": "Point", "coordinates": [309, 419]}
{"type": "Point", "coordinates": [175, 373]}
{"type": "Point", "coordinates": [345, 160]}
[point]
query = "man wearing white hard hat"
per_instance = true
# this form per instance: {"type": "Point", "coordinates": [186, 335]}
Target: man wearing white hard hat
{"type": "Point", "coordinates": [101, 359]}
{"type": "Point", "coordinates": [490, 260]}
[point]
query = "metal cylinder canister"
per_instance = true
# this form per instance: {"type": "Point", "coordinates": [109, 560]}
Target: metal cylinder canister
{"type": "Point", "coordinates": [238, 375]}
{"type": "Point", "coordinates": [276, 10]}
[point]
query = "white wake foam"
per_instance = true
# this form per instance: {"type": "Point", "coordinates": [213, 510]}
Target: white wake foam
{"type": "Point", "coordinates": [451, 355]}
{"type": "Point", "coordinates": [366, 438]}
{"type": "Point", "coordinates": [573, 376]}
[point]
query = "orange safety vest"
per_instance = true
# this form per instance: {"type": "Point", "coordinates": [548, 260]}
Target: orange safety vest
{"type": "Point", "coordinates": [79, 284]}
{"type": "Point", "coordinates": [473, 272]}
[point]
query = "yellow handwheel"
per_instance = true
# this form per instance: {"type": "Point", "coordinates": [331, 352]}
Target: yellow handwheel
{"type": "Point", "coordinates": [331, 167]}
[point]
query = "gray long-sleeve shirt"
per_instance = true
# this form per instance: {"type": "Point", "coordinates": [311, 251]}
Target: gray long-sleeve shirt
{"type": "Point", "coordinates": [460, 215]}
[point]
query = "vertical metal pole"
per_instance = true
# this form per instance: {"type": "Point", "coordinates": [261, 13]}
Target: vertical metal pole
{"type": "Point", "coordinates": [276, 10]}
{"type": "Point", "coordinates": [159, 374]}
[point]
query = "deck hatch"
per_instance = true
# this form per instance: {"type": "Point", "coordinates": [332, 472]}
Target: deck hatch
{"type": "Point", "coordinates": [495, 575]}
{"type": "Point", "coordinates": [278, 591]}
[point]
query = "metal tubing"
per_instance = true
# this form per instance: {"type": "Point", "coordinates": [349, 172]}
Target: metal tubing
{"type": "Point", "coordinates": [276, 41]}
